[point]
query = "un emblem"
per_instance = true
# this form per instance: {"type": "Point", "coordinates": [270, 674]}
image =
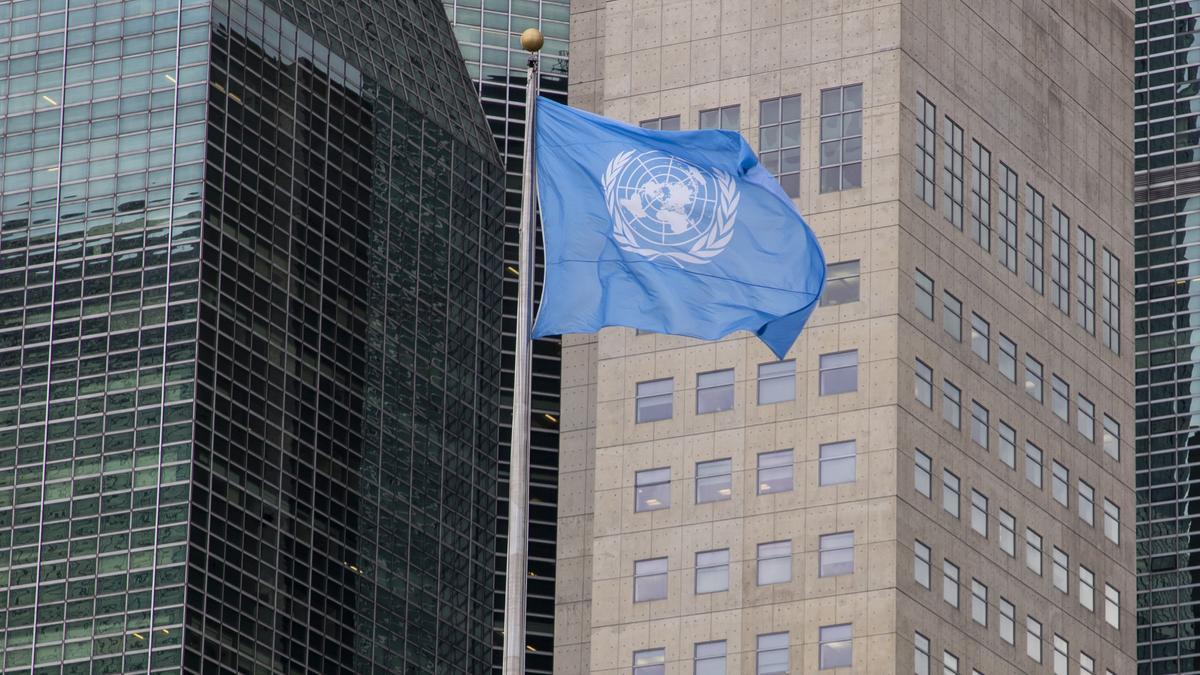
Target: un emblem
{"type": "Point", "coordinates": [663, 206]}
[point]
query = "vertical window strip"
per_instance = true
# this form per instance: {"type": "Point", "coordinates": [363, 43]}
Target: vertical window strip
{"type": "Point", "coordinates": [952, 182]}
{"type": "Point", "coordinates": [981, 195]}
{"type": "Point", "coordinates": [1008, 217]}
{"type": "Point", "coordinates": [1060, 260]}
{"type": "Point", "coordinates": [924, 159]}
{"type": "Point", "coordinates": [1111, 314]}
{"type": "Point", "coordinates": [1086, 263]}
{"type": "Point", "coordinates": [1035, 235]}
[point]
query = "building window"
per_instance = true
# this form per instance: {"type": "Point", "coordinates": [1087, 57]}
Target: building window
{"type": "Point", "coordinates": [836, 556]}
{"type": "Point", "coordinates": [980, 337]}
{"type": "Point", "coordinates": [1085, 417]}
{"type": "Point", "coordinates": [661, 123]}
{"type": "Point", "coordinates": [1060, 260]}
{"type": "Point", "coordinates": [1033, 639]}
{"type": "Point", "coordinates": [1112, 438]}
{"type": "Point", "coordinates": [950, 492]}
{"type": "Point", "coordinates": [774, 563]}
{"type": "Point", "coordinates": [952, 316]}
{"type": "Point", "coordinates": [1035, 237]}
{"type": "Point", "coordinates": [952, 184]}
{"type": "Point", "coordinates": [1006, 362]}
{"type": "Point", "coordinates": [1087, 503]}
{"type": "Point", "coordinates": [841, 283]}
{"type": "Point", "coordinates": [1033, 551]}
{"type": "Point", "coordinates": [1033, 464]}
{"type": "Point", "coordinates": [1085, 260]}
{"type": "Point", "coordinates": [1087, 589]}
{"type": "Point", "coordinates": [921, 563]}
{"type": "Point", "coordinates": [949, 664]}
{"type": "Point", "coordinates": [709, 658]}
{"type": "Point", "coordinates": [979, 425]}
{"type": "Point", "coordinates": [775, 472]}
{"type": "Point", "coordinates": [654, 400]}
{"type": "Point", "coordinates": [839, 373]}
{"type": "Point", "coordinates": [714, 391]}
{"type": "Point", "coordinates": [950, 583]}
{"type": "Point", "coordinates": [922, 473]}
{"type": "Point", "coordinates": [1008, 532]}
{"type": "Point", "coordinates": [921, 654]}
{"type": "Point", "coordinates": [1112, 606]}
{"type": "Point", "coordinates": [652, 490]}
{"type": "Point", "coordinates": [951, 404]}
{"type": "Point", "coordinates": [728, 118]}
{"type": "Point", "coordinates": [1061, 649]}
{"type": "Point", "coordinates": [981, 195]}
{"type": "Point", "coordinates": [1060, 397]}
{"type": "Point", "coordinates": [772, 657]}
{"type": "Point", "coordinates": [979, 513]}
{"type": "Point", "coordinates": [779, 141]}
{"type": "Point", "coordinates": [714, 481]}
{"type": "Point", "coordinates": [1060, 478]}
{"type": "Point", "coordinates": [835, 650]}
{"type": "Point", "coordinates": [1009, 195]}
{"type": "Point", "coordinates": [926, 138]}
{"type": "Point", "coordinates": [650, 579]}
{"type": "Point", "coordinates": [923, 290]}
{"type": "Point", "coordinates": [837, 463]}
{"type": "Point", "coordinates": [841, 138]}
{"type": "Point", "coordinates": [650, 662]}
{"type": "Point", "coordinates": [979, 602]}
{"type": "Point", "coordinates": [1008, 620]}
{"type": "Point", "coordinates": [712, 571]}
{"type": "Point", "coordinates": [1087, 665]}
{"type": "Point", "coordinates": [1110, 265]}
{"type": "Point", "coordinates": [1112, 522]}
{"type": "Point", "coordinates": [923, 384]}
{"type": "Point", "coordinates": [1008, 444]}
{"type": "Point", "coordinates": [776, 382]}
{"type": "Point", "coordinates": [1033, 378]}
{"type": "Point", "coordinates": [1060, 568]}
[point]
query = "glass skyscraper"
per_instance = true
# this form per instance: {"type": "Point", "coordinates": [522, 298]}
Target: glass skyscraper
{"type": "Point", "coordinates": [249, 339]}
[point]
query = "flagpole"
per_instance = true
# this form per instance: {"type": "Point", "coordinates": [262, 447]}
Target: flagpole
{"type": "Point", "coordinates": [516, 563]}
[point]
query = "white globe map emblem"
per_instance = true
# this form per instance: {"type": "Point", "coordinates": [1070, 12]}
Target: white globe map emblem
{"type": "Point", "coordinates": [663, 206]}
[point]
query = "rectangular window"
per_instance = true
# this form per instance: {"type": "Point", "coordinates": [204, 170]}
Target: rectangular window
{"type": "Point", "coordinates": [923, 384]}
{"type": "Point", "coordinates": [654, 400]}
{"type": "Point", "coordinates": [728, 118]}
{"type": "Point", "coordinates": [1112, 606]}
{"type": "Point", "coordinates": [1085, 417]}
{"type": "Point", "coordinates": [1033, 378]}
{"type": "Point", "coordinates": [1009, 208]}
{"type": "Point", "coordinates": [949, 664]}
{"type": "Point", "coordinates": [1008, 444]}
{"type": "Point", "coordinates": [841, 283]}
{"type": "Point", "coordinates": [1008, 619]}
{"type": "Point", "coordinates": [922, 473]}
{"type": "Point", "coordinates": [952, 183]}
{"type": "Point", "coordinates": [1033, 551]}
{"type": "Point", "coordinates": [981, 195]}
{"type": "Point", "coordinates": [952, 316]}
{"type": "Point", "coordinates": [950, 492]}
{"type": "Point", "coordinates": [1061, 650]}
{"type": "Point", "coordinates": [921, 654]}
{"type": "Point", "coordinates": [950, 583]}
{"type": "Point", "coordinates": [979, 602]}
{"type": "Point", "coordinates": [650, 579]}
{"type": "Point", "coordinates": [650, 662]}
{"type": "Point", "coordinates": [1006, 362]}
{"type": "Point", "coordinates": [1112, 438]}
{"type": "Point", "coordinates": [1060, 397]}
{"type": "Point", "coordinates": [776, 382]}
{"type": "Point", "coordinates": [714, 391]}
{"type": "Point", "coordinates": [836, 555]}
{"type": "Point", "coordinates": [779, 141]}
{"type": "Point", "coordinates": [772, 655]}
{"type": "Point", "coordinates": [980, 337]}
{"type": "Point", "coordinates": [979, 513]}
{"type": "Point", "coordinates": [712, 571]}
{"type": "Point", "coordinates": [1008, 532]}
{"type": "Point", "coordinates": [923, 159]}
{"type": "Point", "coordinates": [834, 648]}
{"type": "Point", "coordinates": [714, 481]}
{"type": "Point", "coordinates": [1087, 665]}
{"type": "Point", "coordinates": [1035, 237]}
{"type": "Point", "coordinates": [839, 373]}
{"type": "Point", "coordinates": [979, 425]}
{"type": "Point", "coordinates": [1085, 260]}
{"type": "Point", "coordinates": [709, 658]}
{"type": "Point", "coordinates": [1087, 503]}
{"type": "Point", "coordinates": [1033, 639]}
{"type": "Point", "coordinates": [1060, 478]}
{"type": "Point", "coordinates": [774, 563]}
{"type": "Point", "coordinates": [951, 404]}
{"type": "Point", "coordinates": [652, 490]}
{"type": "Point", "coordinates": [838, 463]}
{"type": "Point", "coordinates": [1033, 464]}
{"type": "Point", "coordinates": [921, 563]}
{"type": "Point", "coordinates": [1060, 570]}
{"type": "Point", "coordinates": [841, 138]}
{"type": "Point", "coordinates": [1060, 260]}
{"type": "Point", "coordinates": [923, 294]}
{"type": "Point", "coordinates": [1110, 316]}
{"type": "Point", "coordinates": [1087, 589]}
{"type": "Point", "coordinates": [661, 123]}
{"type": "Point", "coordinates": [776, 472]}
{"type": "Point", "coordinates": [1112, 522]}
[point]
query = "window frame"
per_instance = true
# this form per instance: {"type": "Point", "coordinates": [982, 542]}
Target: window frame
{"type": "Point", "coordinates": [950, 583]}
{"type": "Point", "coordinates": [827, 639]}
{"type": "Point", "coordinates": [951, 404]}
{"type": "Point", "coordinates": [1033, 550]}
{"type": "Point", "coordinates": [1090, 416]}
{"type": "Point", "coordinates": [1060, 398]}
{"type": "Point", "coordinates": [845, 169]}
{"type": "Point", "coordinates": [722, 122]}
{"type": "Point", "coordinates": [1085, 298]}
{"type": "Point", "coordinates": [1008, 532]}
{"type": "Point", "coordinates": [952, 311]}
{"type": "Point", "coordinates": [786, 372]}
{"type": "Point", "coordinates": [979, 600]}
{"type": "Point", "coordinates": [1086, 495]}
{"type": "Point", "coordinates": [826, 372]}
{"type": "Point", "coordinates": [1006, 361]}
{"type": "Point", "coordinates": [849, 459]}
{"type": "Point", "coordinates": [979, 513]}
{"type": "Point", "coordinates": [1035, 374]}
{"type": "Point", "coordinates": [1035, 237]}
{"type": "Point", "coordinates": [981, 195]}
{"type": "Point", "coordinates": [1060, 260]}
{"type": "Point", "coordinates": [761, 468]}
{"type": "Point", "coordinates": [925, 157]}
{"type": "Point", "coordinates": [1009, 209]}
{"type": "Point", "coordinates": [709, 472]}
{"type": "Point", "coordinates": [923, 290]}
{"type": "Point", "coordinates": [639, 487]}
{"type": "Point", "coordinates": [1060, 483]}
{"type": "Point", "coordinates": [981, 336]}
{"type": "Point", "coordinates": [640, 398]}
{"type": "Point", "coordinates": [1112, 521]}
{"type": "Point", "coordinates": [953, 173]}
{"type": "Point", "coordinates": [1035, 466]}
{"type": "Point", "coordinates": [951, 493]}
{"type": "Point", "coordinates": [836, 279]}
{"type": "Point", "coordinates": [775, 651]}
{"type": "Point", "coordinates": [831, 547]}
{"type": "Point", "coordinates": [760, 560]}
{"type": "Point", "coordinates": [650, 575]}
{"type": "Point", "coordinates": [922, 564]}
{"type": "Point", "coordinates": [706, 568]}
{"type": "Point", "coordinates": [923, 383]}
{"type": "Point", "coordinates": [715, 662]}
{"type": "Point", "coordinates": [714, 388]}
{"type": "Point", "coordinates": [775, 150]}
{"type": "Point", "coordinates": [1087, 588]}
{"type": "Point", "coordinates": [1008, 621]}
{"type": "Point", "coordinates": [1033, 637]}
{"type": "Point", "coordinates": [923, 473]}
{"type": "Point", "coordinates": [980, 424]}
{"type": "Point", "coordinates": [1060, 569]}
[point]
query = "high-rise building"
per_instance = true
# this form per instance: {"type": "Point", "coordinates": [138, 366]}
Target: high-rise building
{"type": "Point", "coordinates": [488, 34]}
{"type": "Point", "coordinates": [1166, 169]}
{"type": "Point", "coordinates": [939, 477]}
{"type": "Point", "coordinates": [249, 339]}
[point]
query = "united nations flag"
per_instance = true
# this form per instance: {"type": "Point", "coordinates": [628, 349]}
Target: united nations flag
{"type": "Point", "coordinates": [678, 232]}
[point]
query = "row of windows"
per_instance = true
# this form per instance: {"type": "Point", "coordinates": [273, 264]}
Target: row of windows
{"type": "Point", "coordinates": [834, 650]}
{"type": "Point", "coordinates": [922, 656]}
{"type": "Point", "coordinates": [1032, 245]}
{"type": "Point", "coordinates": [1006, 362]}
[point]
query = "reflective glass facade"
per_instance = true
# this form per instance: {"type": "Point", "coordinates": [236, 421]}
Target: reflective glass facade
{"type": "Point", "coordinates": [249, 340]}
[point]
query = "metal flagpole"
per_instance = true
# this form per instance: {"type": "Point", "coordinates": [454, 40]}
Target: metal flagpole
{"type": "Point", "coordinates": [516, 564]}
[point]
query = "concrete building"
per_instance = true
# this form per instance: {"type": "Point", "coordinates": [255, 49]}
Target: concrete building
{"type": "Point", "coordinates": [940, 476]}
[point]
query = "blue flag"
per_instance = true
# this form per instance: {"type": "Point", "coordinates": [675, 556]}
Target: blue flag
{"type": "Point", "coordinates": [678, 232]}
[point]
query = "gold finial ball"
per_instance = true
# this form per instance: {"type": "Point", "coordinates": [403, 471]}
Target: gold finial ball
{"type": "Point", "coordinates": [532, 40]}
